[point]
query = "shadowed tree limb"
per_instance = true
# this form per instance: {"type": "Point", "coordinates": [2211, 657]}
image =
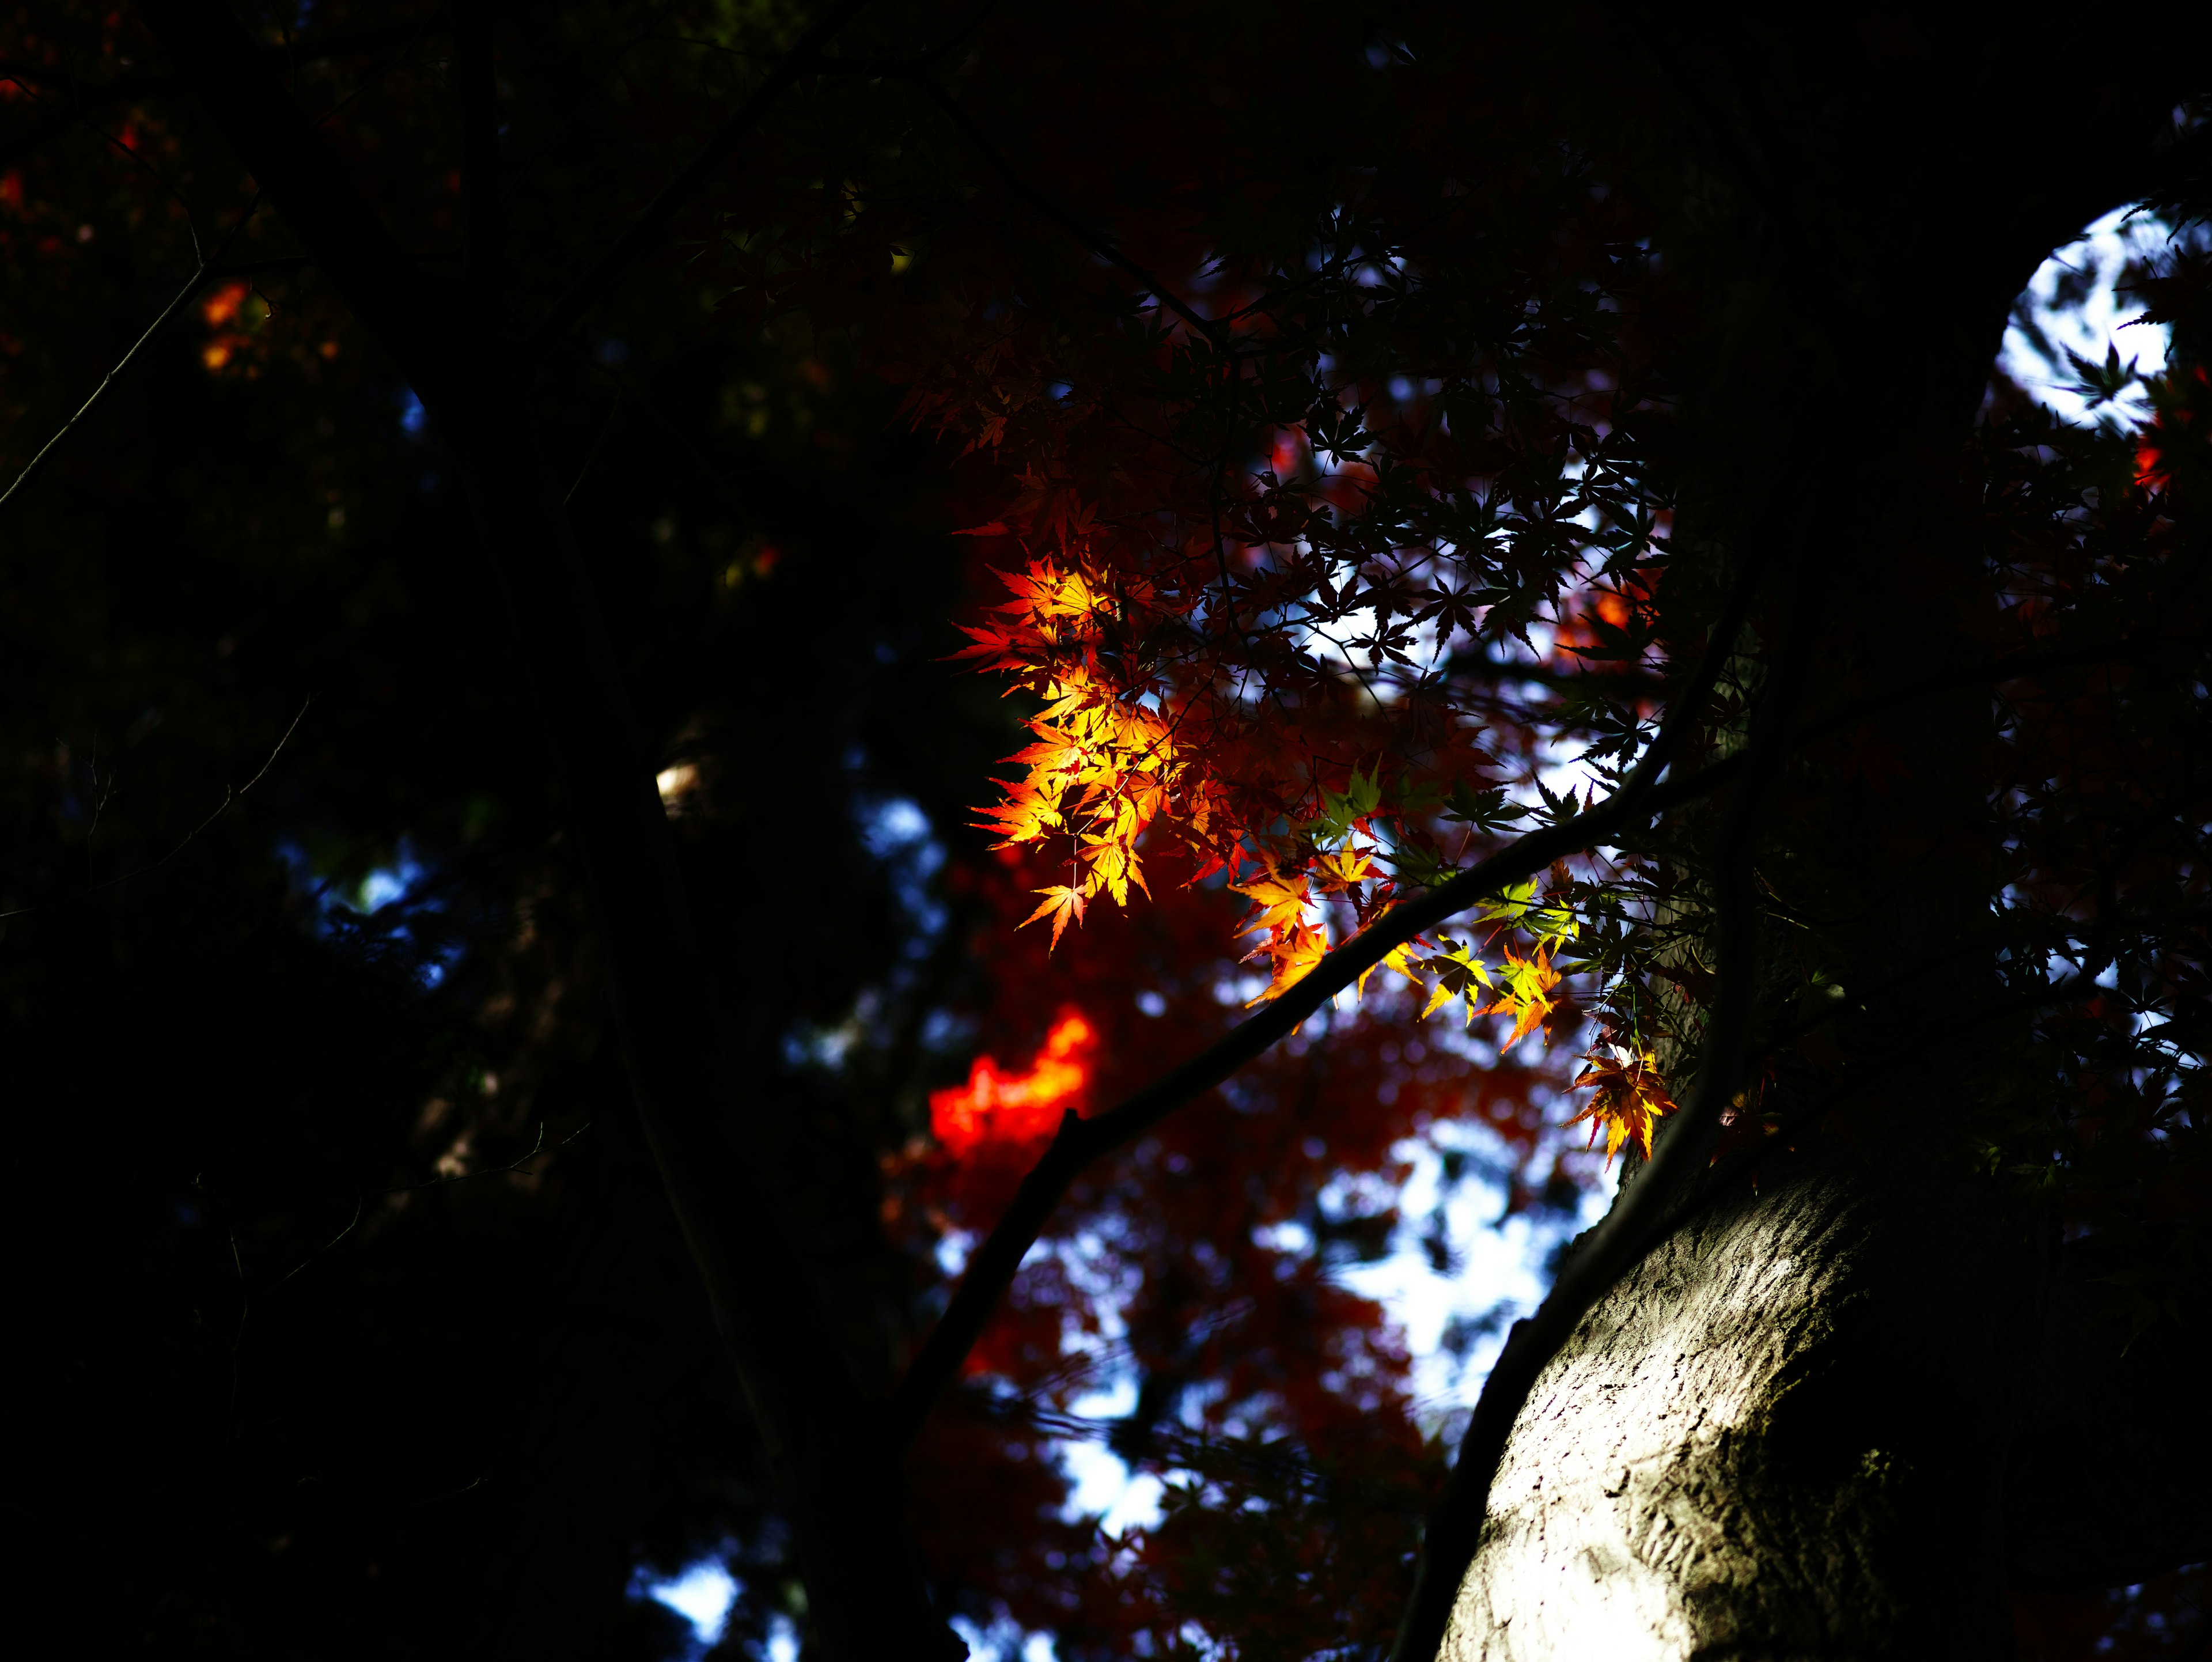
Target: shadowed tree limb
{"type": "Point", "coordinates": [1079, 1141]}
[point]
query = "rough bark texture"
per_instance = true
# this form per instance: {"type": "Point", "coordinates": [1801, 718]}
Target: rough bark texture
{"type": "Point", "coordinates": [1839, 1418]}
{"type": "Point", "coordinates": [1842, 1416]}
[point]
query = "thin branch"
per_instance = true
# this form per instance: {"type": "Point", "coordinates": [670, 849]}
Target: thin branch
{"type": "Point", "coordinates": [200, 274]}
{"type": "Point", "coordinates": [191, 226]}
{"type": "Point", "coordinates": [360, 1205]}
{"type": "Point", "coordinates": [1212, 328]}
{"type": "Point", "coordinates": [229, 797]}
{"type": "Point", "coordinates": [585, 291]}
{"type": "Point", "coordinates": [592, 455]}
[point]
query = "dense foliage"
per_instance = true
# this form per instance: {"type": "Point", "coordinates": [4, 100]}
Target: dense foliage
{"type": "Point", "coordinates": [1308, 418]}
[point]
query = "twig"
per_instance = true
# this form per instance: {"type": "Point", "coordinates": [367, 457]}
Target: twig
{"type": "Point", "coordinates": [201, 273]}
{"type": "Point", "coordinates": [592, 455]}
{"type": "Point", "coordinates": [229, 796]}
{"type": "Point", "coordinates": [1212, 328]}
{"type": "Point", "coordinates": [361, 1205]}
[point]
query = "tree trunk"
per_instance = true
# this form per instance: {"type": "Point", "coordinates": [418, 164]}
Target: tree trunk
{"type": "Point", "coordinates": [1845, 1415]}
{"type": "Point", "coordinates": [1837, 1418]}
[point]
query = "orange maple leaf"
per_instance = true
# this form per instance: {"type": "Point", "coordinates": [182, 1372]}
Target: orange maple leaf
{"type": "Point", "coordinates": [1528, 994]}
{"type": "Point", "coordinates": [1278, 903]}
{"type": "Point", "coordinates": [1061, 902]}
{"type": "Point", "coordinates": [1292, 952]}
{"type": "Point", "coordinates": [1630, 1097]}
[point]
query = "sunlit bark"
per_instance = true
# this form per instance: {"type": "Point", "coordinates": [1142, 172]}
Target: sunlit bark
{"type": "Point", "coordinates": [1840, 1418]}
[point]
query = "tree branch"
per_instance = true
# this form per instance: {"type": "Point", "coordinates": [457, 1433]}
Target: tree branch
{"type": "Point", "coordinates": [1079, 1141]}
{"type": "Point", "coordinates": [1045, 208]}
{"type": "Point", "coordinates": [193, 284]}
{"type": "Point", "coordinates": [585, 291]}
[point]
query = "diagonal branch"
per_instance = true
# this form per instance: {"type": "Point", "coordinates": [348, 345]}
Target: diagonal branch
{"type": "Point", "coordinates": [1079, 1141]}
{"type": "Point", "coordinates": [232, 794]}
{"type": "Point", "coordinates": [1045, 208]}
{"type": "Point", "coordinates": [193, 284]}
{"type": "Point", "coordinates": [588, 288]}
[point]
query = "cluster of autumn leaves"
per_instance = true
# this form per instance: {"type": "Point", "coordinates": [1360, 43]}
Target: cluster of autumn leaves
{"type": "Point", "coordinates": [1116, 756]}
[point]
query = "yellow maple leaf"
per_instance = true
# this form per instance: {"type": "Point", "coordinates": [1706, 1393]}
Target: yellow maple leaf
{"type": "Point", "coordinates": [1348, 866]}
{"type": "Point", "coordinates": [1458, 974]}
{"type": "Point", "coordinates": [1400, 959]}
{"type": "Point", "coordinates": [1292, 952]}
{"type": "Point", "coordinates": [1277, 901]}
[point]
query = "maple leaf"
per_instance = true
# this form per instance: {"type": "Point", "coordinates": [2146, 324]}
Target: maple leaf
{"type": "Point", "coordinates": [1630, 1097]}
{"type": "Point", "coordinates": [1112, 866]}
{"type": "Point", "coordinates": [1277, 901]}
{"type": "Point", "coordinates": [1400, 959]}
{"type": "Point", "coordinates": [1458, 974]}
{"type": "Point", "coordinates": [1341, 810]}
{"type": "Point", "coordinates": [1527, 993]}
{"type": "Point", "coordinates": [1292, 952]}
{"type": "Point", "coordinates": [1340, 870]}
{"type": "Point", "coordinates": [1061, 902]}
